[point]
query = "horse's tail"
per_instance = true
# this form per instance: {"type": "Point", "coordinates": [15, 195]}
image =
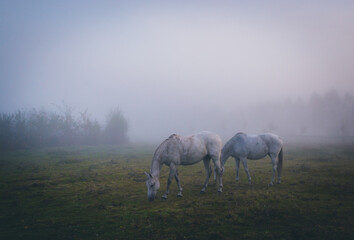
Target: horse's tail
{"type": "Point", "coordinates": [280, 161]}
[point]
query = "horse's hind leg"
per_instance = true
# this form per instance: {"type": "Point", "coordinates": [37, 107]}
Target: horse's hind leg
{"type": "Point", "coordinates": [245, 166]}
{"type": "Point", "coordinates": [219, 169]}
{"type": "Point", "coordinates": [274, 167]}
{"type": "Point", "coordinates": [179, 194]}
{"type": "Point", "coordinates": [280, 164]}
{"type": "Point", "coordinates": [208, 170]}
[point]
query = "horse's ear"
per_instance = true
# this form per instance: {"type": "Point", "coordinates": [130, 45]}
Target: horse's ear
{"type": "Point", "coordinates": [148, 175]}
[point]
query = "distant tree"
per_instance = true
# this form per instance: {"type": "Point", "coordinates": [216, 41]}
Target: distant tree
{"type": "Point", "coordinates": [6, 131]}
{"type": "Point", "coordinates": [347, 122]}
{"type": "Point", "coordinates": [116, 127]}
{"type": "Point", "coordinates": [55, 127]}
{"type": "Point", "coordinates": [20, 135]}
{"type": "Point", "coordinates": [333, 113]}
{"type": "Point", "coordinates": [317, 114]}
{"type": "Point", "coordinates": [69, 126]}
{"type": "Point", "coordinates": [37, 128]}
{"type": "Point", "coordinates": [90, 130]}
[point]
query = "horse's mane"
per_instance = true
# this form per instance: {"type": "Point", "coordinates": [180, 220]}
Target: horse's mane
{"type": "Point", "coordinates": [231, 142]}
{"type": "Point", "coordinates": [173, 136]}
{"type": "Point", "coordinates": [241, 133]}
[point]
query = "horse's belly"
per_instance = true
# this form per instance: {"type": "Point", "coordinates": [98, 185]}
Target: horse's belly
{"type": "Point", "coordinates": [192, 157]}
{"type": "Point", "coordinates": [190, 161]}
{"type": "Point", "coordinates": [257, 154]}
{"type": "Point", "coordinates": [254, 156]}
{"type": "Point", "coordinates": [194, 151]}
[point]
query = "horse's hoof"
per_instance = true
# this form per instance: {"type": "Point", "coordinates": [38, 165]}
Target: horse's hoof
{"type": "Point", "coordinates": [202, 191]}
{"type": "Point", "coordinates": [164, 197]}
{"type": "Point", "coordinates": [179, 194]}
{"type": "Point", "coordinates": [270, 184]}
{"type": "Point", "coordinates": [220, 190]}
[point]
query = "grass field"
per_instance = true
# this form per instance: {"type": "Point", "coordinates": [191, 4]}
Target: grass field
{"type": "Point", "coordinates": [100, 193]}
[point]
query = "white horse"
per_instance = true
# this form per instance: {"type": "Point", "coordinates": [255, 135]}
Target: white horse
{"type": "Point", "coordinates": [178, 150]}
{"type": "Point", "coordinates": [254, 147]}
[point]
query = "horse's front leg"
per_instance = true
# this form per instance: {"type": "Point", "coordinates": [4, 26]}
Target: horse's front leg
{"type": "Point", "coordinates": [169, 180]}
{"type": "Point", "coordinates": [179, 194]}
{"type": "Point", "coordinates": [220, 183]}
{"type": "Point", "coordinates": [237, 163]}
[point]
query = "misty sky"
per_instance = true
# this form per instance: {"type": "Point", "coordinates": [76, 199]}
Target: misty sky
{"type": "Point", "coordinates": [165, 64]}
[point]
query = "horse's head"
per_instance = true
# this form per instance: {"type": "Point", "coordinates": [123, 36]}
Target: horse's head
{"type": "Point", "coordinates": [152, 184]}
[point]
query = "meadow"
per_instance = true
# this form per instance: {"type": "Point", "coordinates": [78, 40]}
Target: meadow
{"type": "Point", "coordinates": [100, 193]}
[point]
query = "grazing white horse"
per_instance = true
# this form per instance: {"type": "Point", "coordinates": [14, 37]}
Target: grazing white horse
{"type": "Point", "coordinates": [178, 150]}
{"type": "Point", "coordinates": [254, 147]}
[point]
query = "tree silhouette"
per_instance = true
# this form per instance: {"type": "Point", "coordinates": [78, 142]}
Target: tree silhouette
{"type": "Point", "coordinates": [116, 127]}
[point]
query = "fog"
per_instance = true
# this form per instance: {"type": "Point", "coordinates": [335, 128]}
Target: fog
{"type": "Point", "coordinates": [183, 67]}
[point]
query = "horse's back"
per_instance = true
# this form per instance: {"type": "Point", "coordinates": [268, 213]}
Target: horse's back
{"type": "Point", "coordinates": [211, 140]}
{"type": "Point", "coordinates": [205, 142]}
{"type": "Point", "coordinates": [207, 135]}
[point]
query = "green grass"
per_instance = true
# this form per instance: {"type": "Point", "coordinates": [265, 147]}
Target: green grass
{"type": "Point", "coordinates": [100, 193]}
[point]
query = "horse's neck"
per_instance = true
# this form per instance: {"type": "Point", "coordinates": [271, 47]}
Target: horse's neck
{"type": "Point", "coordinates": [155, 167]}
{"type": "Point", "coordinates": [224, 157]}
{"type": "Point", "coordinates": [226, 153]}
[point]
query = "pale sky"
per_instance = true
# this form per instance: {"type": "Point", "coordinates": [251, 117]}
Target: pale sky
{"type": "Point", "coordinates": [163, 62]}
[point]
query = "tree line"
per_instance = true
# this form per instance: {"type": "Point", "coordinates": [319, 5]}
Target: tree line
{"type": "Point", "coordinates": [329, 114]}
{"type": "Point", "coordinates": [26, 129]}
